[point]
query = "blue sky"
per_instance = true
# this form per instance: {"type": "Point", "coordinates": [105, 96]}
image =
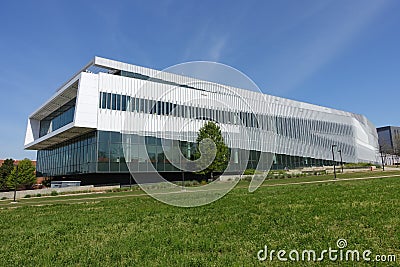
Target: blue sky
{"type": "Point", "coordinates": [341, 54]}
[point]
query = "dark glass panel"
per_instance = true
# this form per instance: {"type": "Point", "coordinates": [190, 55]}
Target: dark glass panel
{"type": "Point", "coordinates": [104, 100]}
{"type": "Point", "coordinates": [124, 103]}
{"type": "Point", "coordinates": [58, 118]}
{"type": "Point", "coordinates": [108, 100]}
{"type": "Point", "coordinates": [116, 137]}
{"type": "Point", "coordinates": [113, 101]}
{"type": "Point", "coordinates": [103, 137]}
{"type": "Point", "coordinates": [118, 102]}
{"type": "Point", "coordinates": [103, 152]}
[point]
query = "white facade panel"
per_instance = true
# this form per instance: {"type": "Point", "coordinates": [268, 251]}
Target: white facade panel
{"type": "Point", "coordinates": [32, 131]}
{"type": "Point", "coordinates": [87, 101]}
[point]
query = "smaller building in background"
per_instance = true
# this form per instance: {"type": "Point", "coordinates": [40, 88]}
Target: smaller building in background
{"type": "Point", "coordinates": [389, 139]}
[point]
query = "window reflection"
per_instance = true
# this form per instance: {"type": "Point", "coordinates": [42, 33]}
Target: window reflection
{"type": "Point", "coordinates": [103, 152]}
{"type": "Point", "coordinates": [58, 118]}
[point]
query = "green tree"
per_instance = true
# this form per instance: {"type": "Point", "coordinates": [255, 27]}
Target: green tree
{"type": "Point", "coordinates": [26, 175]}
{"type": "Point", "coordinates": [5, 171]}
{"type": "Point", "coordinates": [211, 130]}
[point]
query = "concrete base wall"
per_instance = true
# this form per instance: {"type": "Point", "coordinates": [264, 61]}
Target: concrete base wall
{"type": "Point", "coordinates": [47, 191]}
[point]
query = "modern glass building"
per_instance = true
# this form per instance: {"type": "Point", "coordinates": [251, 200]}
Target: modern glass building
{"type": "Point", "coordinates": [110, 107]}
{"type": "Point", "coordinates": [389, 139]}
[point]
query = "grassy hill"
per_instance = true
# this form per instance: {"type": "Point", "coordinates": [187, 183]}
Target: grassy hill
{"type": "Point", "coordinates": [129, 229]}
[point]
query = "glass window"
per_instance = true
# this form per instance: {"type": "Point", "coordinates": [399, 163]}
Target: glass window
{"type": "Point", "coordinates": [133, 104]}
{"type": "Point", "coordinates": [113, 101]}
{"type": "Point", "coordinates": [152, 153]}
{"type": "Point", "coordinates": [115, 137]}
{"type": "Point", "coordinates": [123, 104]}
{"type": "Point", "coordinates": [150, 140]}
{"type": "Point", "coordinates": [58, 118]}
{"type": "Point", "coordinates": [100, 97]}
{"type": "Point", "coordinates": [141, 105]}
{"type": "Point", "coordinates": [108, 100]}
{"type": "Point", "coordinates": [146, 106]}
{"type": "Point", "coordinates": [174, 110]}
{"type": "Point", "coordinates": [128, 103]}
{"type": "Point", "coordinates": [103, 100]}
{"type": "Point", "coordinates": [162, 110]}
{"type": "Point", "coordinates": [103, 136]}
{"type": "Point", "coordinates": [152, 108]}
{"type": "Point", "coordinates": [137, 102]}
{"type": "Point", "coordinates": [167, 108]}
{"type": "Point", "coordinates": [103, 156]}
{"type": "Point", "coordinates": [118, 102]}
{"type": "Point", "coordinates": [158, 108]}
{"type": "Point", "coordinates": [115, 156]}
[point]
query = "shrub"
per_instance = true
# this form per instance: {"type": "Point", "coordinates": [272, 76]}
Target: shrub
{"type": "Point", "coordinates": [270, 175]}
{"type": "Point", "coordinates": [54, 193]}
{"type": "Point", "coordinates": [247, 178]}
{"type": "Point", "coordinates": [192, 183]}
{"type": "Point", "coordinates": [249, 171]}
{"type": "Point", "coordinates": [121, 189]}
{"type": "Point", "coordinates": [3, 198]}
{"type": "Point", "coordinates": [38, 195]}
{"type": "Point", "coordinates": [358, 165]}
{"type": "Point", "coordinates": [203, 182]}
{"type": "Point", "coordinates": [27, 196]}
{"type": "Point", "coordinates": [46, 182]}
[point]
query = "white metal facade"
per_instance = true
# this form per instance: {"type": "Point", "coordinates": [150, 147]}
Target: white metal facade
{"type": "Point", "coordinates": [286, 126]}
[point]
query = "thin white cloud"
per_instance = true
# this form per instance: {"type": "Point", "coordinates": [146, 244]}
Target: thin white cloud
{"type": "Point", "coordinates": [307, 58]}
{"type": "Point", "coordinates": [217, 48]}
{"type": "Point", "coordinates": [207, 43]}
{"type": "Point", "coordinates": [206, 46]}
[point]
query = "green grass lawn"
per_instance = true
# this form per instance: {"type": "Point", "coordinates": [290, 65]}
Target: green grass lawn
{"type": "Point", "coordinates": [128, 229]}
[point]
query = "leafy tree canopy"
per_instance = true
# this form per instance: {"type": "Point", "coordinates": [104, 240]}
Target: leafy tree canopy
{"type": "Point", "coordinates": [26, 175]}
{"type": "Point", "coordinates": [5, 171]}
{"type": "Point", "coordinates": [212, 131]}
